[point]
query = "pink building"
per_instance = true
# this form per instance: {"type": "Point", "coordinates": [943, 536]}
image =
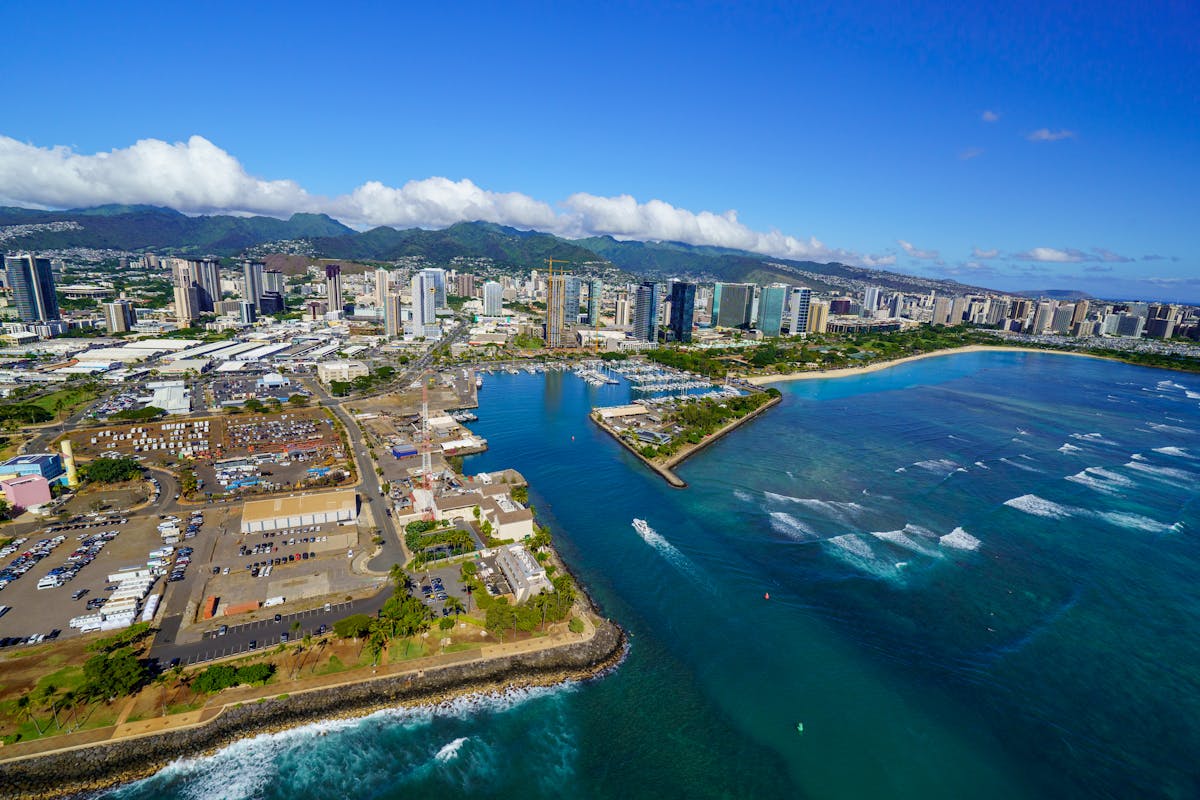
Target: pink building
{"type": "Point", "coordinates": [26, 491]}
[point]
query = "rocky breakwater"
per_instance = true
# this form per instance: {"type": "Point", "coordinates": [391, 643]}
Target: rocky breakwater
{"type": "Point", "coordinates": [88, 769]}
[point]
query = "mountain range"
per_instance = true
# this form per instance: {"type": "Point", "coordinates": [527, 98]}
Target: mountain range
{"type": "Point", "coordinates": [163, 230]}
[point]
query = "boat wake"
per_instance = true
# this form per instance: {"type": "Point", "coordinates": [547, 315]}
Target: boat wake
{"type": "Point", "coordinates": [667, 550]}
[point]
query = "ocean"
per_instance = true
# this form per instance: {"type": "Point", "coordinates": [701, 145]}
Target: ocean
{"type": "Point", "coordinates": [983, 578]}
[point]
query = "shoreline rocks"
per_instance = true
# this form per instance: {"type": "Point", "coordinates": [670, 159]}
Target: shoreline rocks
{"type": "Point", "coordinates": [104, 765]}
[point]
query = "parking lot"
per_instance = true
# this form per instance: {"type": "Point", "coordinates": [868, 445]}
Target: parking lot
{"type": "Point", "coordinates": [70, 562]}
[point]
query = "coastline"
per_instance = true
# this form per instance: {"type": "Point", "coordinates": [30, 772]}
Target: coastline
{"type": "Point", "coordinates": [93, 767]}
{"type": "Point", "coordinates": [665, 470]}
{"type": "Point", "coordinates": [847, 372]}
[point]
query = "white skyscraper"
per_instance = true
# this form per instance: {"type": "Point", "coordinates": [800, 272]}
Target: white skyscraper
{"type": "Point", "coordinates": [871, 300]}
{"type": "Point", "coordinates": [801, 297]}
{"type": "Point", "coordinates": [424, 304]}
{"type": "Point", "coordinates": [493, 299]}
{"type": "Point", "coordinates": [438, 278]}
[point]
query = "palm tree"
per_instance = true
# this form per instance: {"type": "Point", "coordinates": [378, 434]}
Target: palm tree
{"type": "Point", "coordinates": [399, 577]}
{"type": "Point", "coordinates": [25, 709]}
{"type": "Point", "coordinates": [454, 605]}
{"type": "Point", "coordinates": [48, 701]}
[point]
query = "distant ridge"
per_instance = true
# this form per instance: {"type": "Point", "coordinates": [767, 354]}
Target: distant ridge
{"type": "Point", "coordinates": [164, 230]}
{"type": "Point", "coordinates": [1055, 294]}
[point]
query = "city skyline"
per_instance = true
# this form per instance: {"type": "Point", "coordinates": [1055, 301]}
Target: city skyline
{"type": "Point", "coordinates": [1020, 151]}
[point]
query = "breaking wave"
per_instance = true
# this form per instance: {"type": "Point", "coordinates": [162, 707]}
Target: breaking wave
{"type": "Point", "coordinates": [1039, 507]}
{"type": "Point", "coordinates": [959, 540]}
{"type": "Point", "coordinates": [791, 527]}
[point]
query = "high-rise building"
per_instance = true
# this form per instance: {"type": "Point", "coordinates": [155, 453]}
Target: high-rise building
{"type": "Point", "coordinates": [393, 316]}
{"type": "Point", "coordinates": [798, 311]}
{"type": "Point", "coordinates": [247, 312]}
{"type": "Point", "coordinates": [958, 310]}
{"type": "Point", "coordinates": [896, 305]}
{"type": "Point", "coordinates": [464, 284]}
{"type": "Point", "coordinates": [424, 304]}
{"type": "Point", "coordinates": [623, 312]}
{"type": "Point", "coordinates": [1042, 317]}
{"type": "Point", "coordinates": [683, 311]}
{"type": "Point", "coordinates": [206, 274]}
{"type": "Point", "coordinates": [595, 293]}
{"type": "Point", "coordinates": [273, 281]}
{"type": "Point", "coordinates": [732, 305]}
{"type": "Point", "coordinates": [437, 277]}
{"type": "Point", "coordinates": [252, 272]}
{"type": "Point", "coordinates": [573, 295]}
{"type": "Point", "coordinates": [871, 301]}
{"type": "Point", "coordinates": [770, 309]}
{"type": "Point", "coordinates": [1130, 325]}
{"type": "Point", "coordinates": [493, 299]}
{"type": "Point", "coordinates": [32, 284]}
{"type": "Point", "coordinates": [1081, 311]}
{"type": "Point", "coordinates": [383, 284]}
{"type": "Point", "coordinates": [842, 305]}
{"type": "Point", "coordinates": [187, 304]}
{"type": "Point", "coordinates": [119, 316]}
{"type": "Point", "coordinates": [333, 286]}
{"type": "Point", "coordinates": [562, 307]}
{"type": "Point", "coordinates": [1061, 322]}
{"type": "Point", "coordinates": [941, 311]}
{"type": "Point", "coordinates": [818, 316]}
{"type": "Point", "coordinates": [645, 312]}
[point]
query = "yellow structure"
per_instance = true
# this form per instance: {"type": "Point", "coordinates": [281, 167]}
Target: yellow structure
{"type": "Point", "coordinates": [68, 457]}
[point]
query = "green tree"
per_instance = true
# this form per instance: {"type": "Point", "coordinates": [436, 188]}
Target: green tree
{"type": "Point", "coordinates": [112, 470]}
{"type": "Point", "coordinates": [298, 400]}
{"type": "Point", "coordinates": [354, 626]}
{"type": "Point", "coordinates": [454, 605]}
{"type": "Point", "coordinates": [113, 674]}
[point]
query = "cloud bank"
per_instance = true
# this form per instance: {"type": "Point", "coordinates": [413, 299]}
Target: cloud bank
{"type": "Point", "coordinates": [198, 177]}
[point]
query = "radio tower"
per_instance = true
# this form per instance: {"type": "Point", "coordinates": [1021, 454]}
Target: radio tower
{"type": "Point", "coordinates": [426, 447]}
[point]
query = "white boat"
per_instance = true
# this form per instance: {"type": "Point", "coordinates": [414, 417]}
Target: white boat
{"type": "Point", "coordinates": [478, 382]}
{"type": "Point", "coordinates": [641, 527]}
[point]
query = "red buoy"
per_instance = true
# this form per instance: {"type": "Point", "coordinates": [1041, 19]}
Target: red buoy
{"type": "Point", "coordinates": [767, 596]}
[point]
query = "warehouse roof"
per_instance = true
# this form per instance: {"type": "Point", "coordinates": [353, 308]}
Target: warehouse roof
{"type": "Point", "coordinates": [327, 502]}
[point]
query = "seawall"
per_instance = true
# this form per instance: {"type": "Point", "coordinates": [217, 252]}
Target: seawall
{"type": "Point", "coordinates": [99, 766]}
{"type": "Point", "coordinates": [666, 469]}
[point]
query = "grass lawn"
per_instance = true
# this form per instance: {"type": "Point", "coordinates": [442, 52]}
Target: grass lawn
{"type": "Point", "coordinates": [71, 399]}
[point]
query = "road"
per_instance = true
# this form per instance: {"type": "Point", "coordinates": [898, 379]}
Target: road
{"type": "Point", "coordinates": [263, 633]}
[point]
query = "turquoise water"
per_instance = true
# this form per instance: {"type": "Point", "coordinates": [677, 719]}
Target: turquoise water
{"type": "Point", "coordinates": [1059, 658]}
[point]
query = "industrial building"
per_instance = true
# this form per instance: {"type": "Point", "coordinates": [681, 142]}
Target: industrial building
{"type": "Point", "coordinates": [292, 512]}
{"type": "Point", "coordinates": [47, 465]}
{"type": "Point", "coordinates": [26, 491]}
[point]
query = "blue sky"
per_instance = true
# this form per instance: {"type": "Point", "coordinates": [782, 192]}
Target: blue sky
{"type": "Point", "coordinates": [1018, 146]}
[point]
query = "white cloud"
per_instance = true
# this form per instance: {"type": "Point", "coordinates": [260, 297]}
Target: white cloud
{"type": "Point", "coordinates": [1047, 135]}
{"type": "Point", "coordinates": [198, 177]}
{"type": "Point", "coordinates": [989, 116]}
{"type": "Point", "coordinates": [978, 253]}
{"type": "Point", "coordinates": [915, 252]}
{"type": "Point", "coordinates": [969, 153]}
{"type": "Point", "coordinates": [1052, 255]}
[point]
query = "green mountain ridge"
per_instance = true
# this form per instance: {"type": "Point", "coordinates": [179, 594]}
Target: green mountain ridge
{"type": "Point", "coordinates": [163, 230]}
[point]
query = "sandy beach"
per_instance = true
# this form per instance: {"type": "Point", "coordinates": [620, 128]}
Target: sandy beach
{"type": "Point", "coordinates": [763, 380]}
